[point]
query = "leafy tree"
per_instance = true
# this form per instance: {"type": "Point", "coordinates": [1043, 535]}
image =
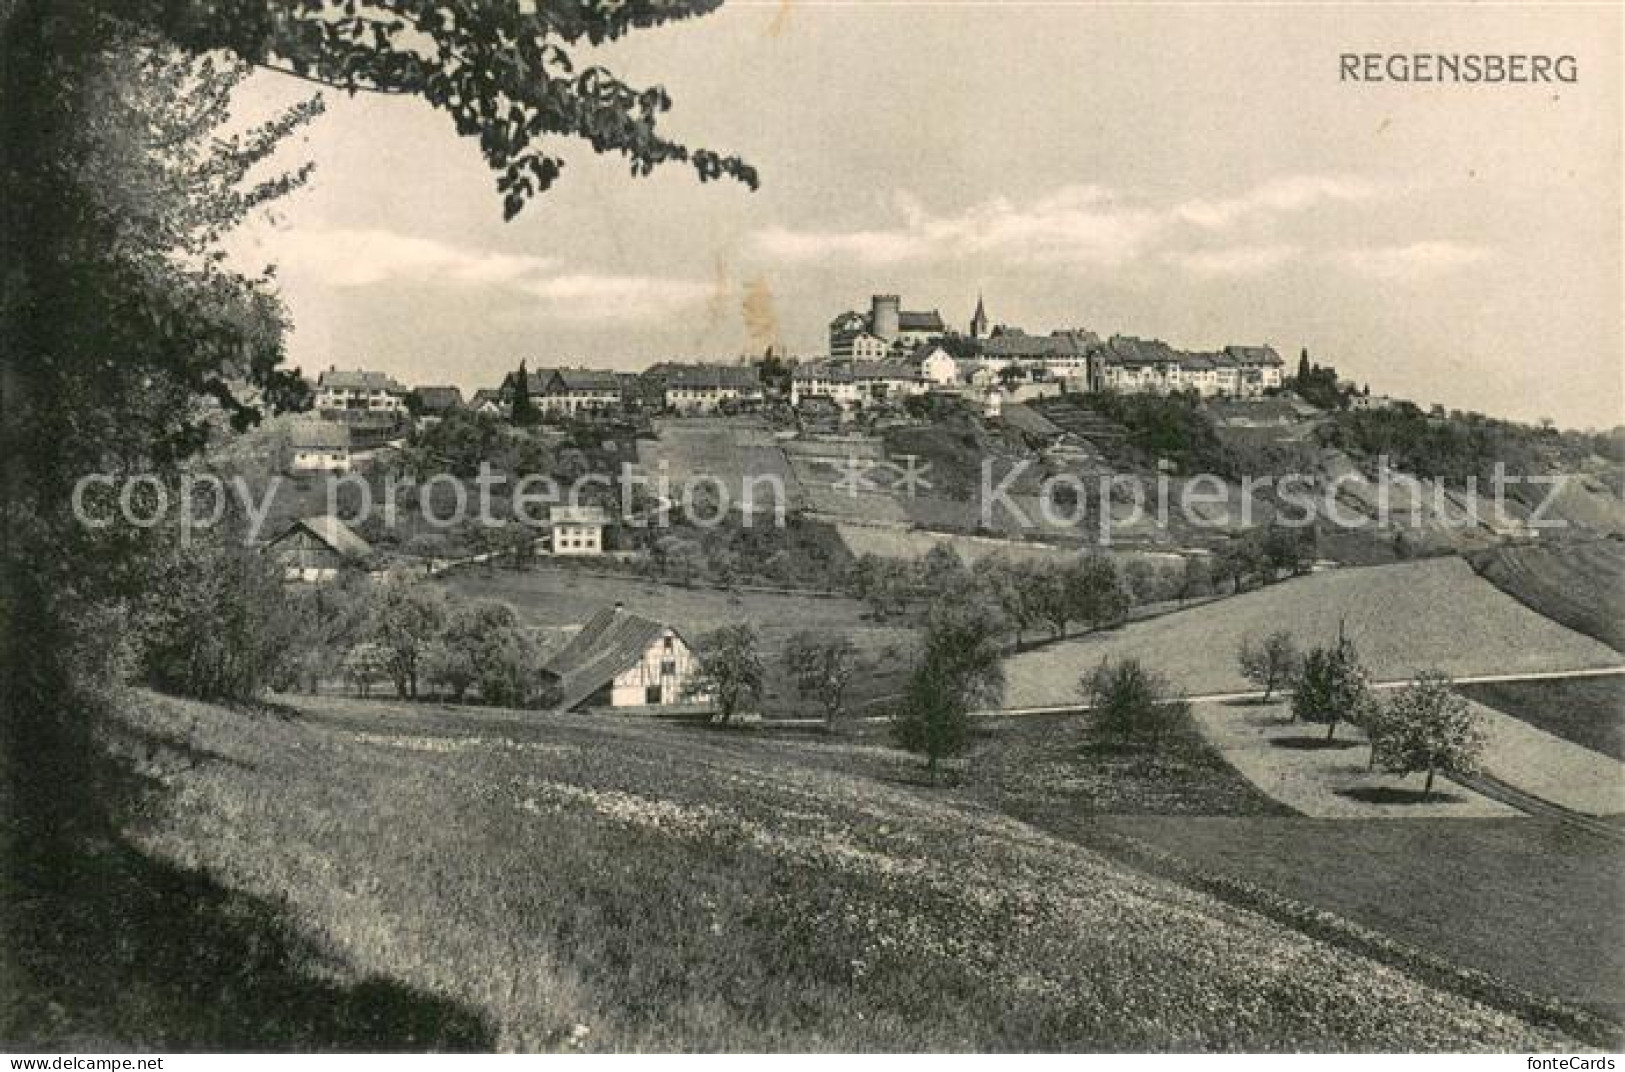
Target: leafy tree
{"type": "Point", "coordinates": [959, 669]}
{"type": "Point", "coordinates": [456, 659]}
{"type": "Point", "coordinates": [1195, 578]}
{"type": "Point", "coordinates": [214, 622]}
{"type": "Point", "coordinates": [1093, 593]}
{"type": "Point", "coordinates": [1331, 687]}
{"type": "Point", "coordinates": [730, 672]}
{"type": "Point", "coordinates": [363, 664]}
{"type": "Point", "coordinates": [1010, 587]}
{"type": "Point", "coordinates": [823, 666]}
{"type": "Point", "coordinates": [1428, 727]}
{"type": "Point", "coordinates": [1270, 662]}
{"type": "Point", "coordinates": [330, 620]}
{"type": "Point", "coordinates": [1129, 701]}
{"type": "Point", "coordinates": [407, 618]}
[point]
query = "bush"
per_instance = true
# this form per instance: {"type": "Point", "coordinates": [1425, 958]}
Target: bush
{"type": "Point", "coordinates": [1129, 701]}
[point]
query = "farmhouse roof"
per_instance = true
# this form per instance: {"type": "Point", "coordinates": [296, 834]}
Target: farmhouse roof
{"type": "Point", "coordinates": [920, 320]}
{"type": "Point", "coordinates": [319, 435]}
{"type": "Point", "coordinates": [1016, 344]}
{"type": "Point", "coordinates": [1128, 350]}
{"type": "Point", "coordinates": [711, 377]}
{"type": "Point", "coordinates": [584, 379]}
{"type": "Point", "coordinates": [332, 533]}
{"type": "Point", "coordinates": [1254, 355]}
{"type": "Point", "coordinates": [823, 370]}
{"type": "Point", "coordinates": [577, 515]}
{"type": "Point", "coordinates": [484, 395]}
{"type": "Point", "coordinates": [439, 399]}
{"type": "Point", "coordinates": [359, 380]}
{"type": "Point", "coordinates": [613, 641]}
{"type": "Point", "coordinates": [884, 370]}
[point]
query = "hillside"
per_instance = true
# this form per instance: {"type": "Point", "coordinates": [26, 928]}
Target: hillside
{"type": "Point", "coordinates": [1428, 614]}
{"type": "Point", "coordinates": [1581, 585]}
{"type": "Point", "coordinates": [623, 885]}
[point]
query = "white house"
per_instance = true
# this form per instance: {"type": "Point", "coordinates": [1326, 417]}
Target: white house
{"type": "Point", "coordinates": [704, 388]}
{"type": "Point", "coordinates": [315, 549]}
{"type": "Point", "coordinates": [371, 392]}
{"type": "Point", "coordinates": [1260, 368]}
{"type": "Point", "coordinates": [570, 392]}
{"type": "Point", "coordinates": [577, 530]}
{"type": "Point", "coordinates": [936, 366]}
{"type": "Point", "coordinates": [318, 446]}
{"type": "Point", "coordinates": [619, 660]}
{"type": "Point", "coordinates": [824, 379]}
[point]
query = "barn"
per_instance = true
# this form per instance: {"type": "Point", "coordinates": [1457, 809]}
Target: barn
{"type": "Point", "coordinates": [620, 659]}
{"type": "Point", "coordinates": [316, 548]}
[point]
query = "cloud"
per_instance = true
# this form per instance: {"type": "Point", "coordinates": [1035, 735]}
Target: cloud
{"type": "Point", "coordinates": [1414, 261]}
{"type": "Point", "coordinates": [1074, 225]}
{"type": "Point", "coordinates": [1281, 196]}
{"type": "Point", "coordinates": [1235, 260]}
{"type": "Point", "coordinates": [346, 258]}
{"type": "Point", "coordinates": [1077, 226]}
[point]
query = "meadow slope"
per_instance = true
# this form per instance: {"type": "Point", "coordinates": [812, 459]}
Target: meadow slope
{"type": "Point", "coordinates": [1429, 614]}
{"type": "Point", "coordinates": [610, 884]}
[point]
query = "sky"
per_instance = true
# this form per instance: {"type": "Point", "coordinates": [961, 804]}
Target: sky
{"type": "Point", "coordinates": [1198, 174]}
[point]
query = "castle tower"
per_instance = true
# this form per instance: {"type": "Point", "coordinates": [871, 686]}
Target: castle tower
{"type": "Point", "coordinates": [885, 315]}
{"type": "Point", "coordinates": [978, 320]}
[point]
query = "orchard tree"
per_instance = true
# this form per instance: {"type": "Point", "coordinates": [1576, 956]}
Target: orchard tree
{"type": "Point", "coordinates": [823, 666]}
{"type": "Point", "coordinates": [1130, 701]}
{"type": "Point", "coordinates": [1270, 662]}
{"type": "Point", "coordinates": [1012, 587]}
{"type": "Point", "coordinates": [406, 619]}
{"type": "Point", "coordinates": [959, 669]}
{"type": "Point", "coordinates": [1428, 727]}
{"type": "Point", "coordinates": [1332, 687]}
{"type": "Point", "coordinates": [730, 673]}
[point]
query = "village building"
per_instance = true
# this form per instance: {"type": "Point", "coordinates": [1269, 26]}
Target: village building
{"type": "Point", "coordinates": [1261, 368]}
{"type": "Point", "coordinates": [318, 446]}
{"type": "Point", "coordinates": [935, 366]}
{"type": "Point", "coordinates": [489, 403]}
{"type": "Point", "coordinates": [573, 392]}
{"type": "Point", "coordinates": [359, 391]}
{"type": "Point", "coordinates": [899, 329]}
{"type": "Point", "coordinates": [878, 381]}
{"type": "Point", "coordinates": [315, 549]}
{"type": "Point", "coordinates": [702, 388]}
{"type": "Point", "coordinates": [1061, 355]}
{"type": "Point", "coordinates": [577, 530]}
{"type": "Point", "coordinates": [831, 380]}
{"type": "Point", "coordinates": [622, 660]}
{"type": "Point", "coordinates": [434, 403]}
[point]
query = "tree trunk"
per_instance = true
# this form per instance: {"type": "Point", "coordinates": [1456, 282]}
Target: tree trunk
{"type": "Point", "coordinates": [1331, 729]}
{"type": "Point", "coordinates": [1427, 789]}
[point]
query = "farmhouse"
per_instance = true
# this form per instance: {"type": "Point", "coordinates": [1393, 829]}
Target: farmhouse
{"type": "Point", "coordinates": [573, 391]}
{"type": "Point", "coordinates": [622, 660]}
{"type": "Point", "coordinates": [433, 403]}
{"type": "Point", "coordinates": [577, 530]}
{"type": "Point", "coordinates": [317, 446]}
{"type": "Point", "coordinates": [488, 403]}
{"type": "Point", "coordinates": [316, 548]}
{"type": "Point", "coordinates": [935, 365]}
{"type": "Point", "coordinates": [370, 392]}
{"type": "Point", "coordinates": [824, 379]}
{"type": "Point", "coordinates": [704, 388]}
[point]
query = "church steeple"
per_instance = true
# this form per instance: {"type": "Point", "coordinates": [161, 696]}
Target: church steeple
{"type": "Point", "coordinates": [978, 320]}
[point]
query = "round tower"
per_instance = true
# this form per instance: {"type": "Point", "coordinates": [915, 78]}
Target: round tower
{"type": "Point", "coordinates": [885, 313]}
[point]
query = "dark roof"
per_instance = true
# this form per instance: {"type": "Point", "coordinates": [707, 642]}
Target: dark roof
{"type": "Point", "coordinates": [1016, 345]}
{"type": "Point", "coordinates": [884, 370]}
{"type": "Point", "coordinates": [439, 399]}
{"type": "Point", "coordinates": [1254, 355]}
{"type": "Point", "coordinates": [711, 377]}
{"type": "Point", "coordinates": [613, 641]}
{"type": "Point", "coordinates": [318, 435]}
{"type": "Point", "coordinates": [838, 371]}
{"type": "Point", "coordinates": [920, 321]}
{"type": "Point", "coordinates": [581, 379]}
{"type": "Point", "coordinates": [359, 380]}
{"type": "Point", "coordinates": [1127, 350]}
{"type": "Point", "coordinates": [332, 533]}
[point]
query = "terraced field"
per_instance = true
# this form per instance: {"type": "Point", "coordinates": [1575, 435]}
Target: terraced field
{"type": "Point", "coordinates": [1579, 583]}
{"type": "Point", "coordinates": [1429, 614]}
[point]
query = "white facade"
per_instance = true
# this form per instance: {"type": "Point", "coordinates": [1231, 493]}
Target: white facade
{"type": "Point", "coordinates": [324, 459]}
{"type": "Point", "coordinates": [939, 368]}
{"type": "Point", "coordinates": [660, 676]}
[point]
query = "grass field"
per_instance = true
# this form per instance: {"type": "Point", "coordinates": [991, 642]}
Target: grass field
{"type": "Point", "coordinates": [552, 881]}
{"type": "Point", "coordinates": [1525, 899]}
{"type": "Point", "coordinates": [1428, 614]}
{"type": "Point", "coordinates": [1590, 711]}
{"type": "Point", "coordinates": [560, 599]}
{"type": "Point", "coordinates": [1580, 584]}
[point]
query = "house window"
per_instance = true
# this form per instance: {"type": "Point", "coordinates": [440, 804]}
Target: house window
{"type": "Point", "coordinates": [652, 694]}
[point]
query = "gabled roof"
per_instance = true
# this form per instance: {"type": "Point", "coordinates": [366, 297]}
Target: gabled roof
{"type": "Point", "coordinates": [1254, 355]}
{"type": "Point", "coordinates": [484, 395]}
{"type": "Point", "coordinates": [1128, 350]}
{"type": "Point", "coordinates": [884, 370]}
{"type": "Point", "coordinates": [711, 377]}
{"type": "Point", "coordinates": [358, 380]}
{"type": "Point", "coordinates": [582, 379]}
{"type": "Point", "coordinates": [577, 515]}
{"type": "Point", "coordinates": [837, 371]}
{"type": "Point", "coordinates": [613, 641]}
{"type": "Point", "coordinates": [318, 435]}
{"type": "Point", "coordinates": [1016, 345]}
{"type": "Point", "coordinates": [439, 399]}
{"type": "Point", "coordinates": [920, 321]}
{"type": "Point", "coordinates": [331, 533]}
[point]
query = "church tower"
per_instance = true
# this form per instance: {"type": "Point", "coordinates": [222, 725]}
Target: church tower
{"type": "Point", "coordinates": [978, 320]}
